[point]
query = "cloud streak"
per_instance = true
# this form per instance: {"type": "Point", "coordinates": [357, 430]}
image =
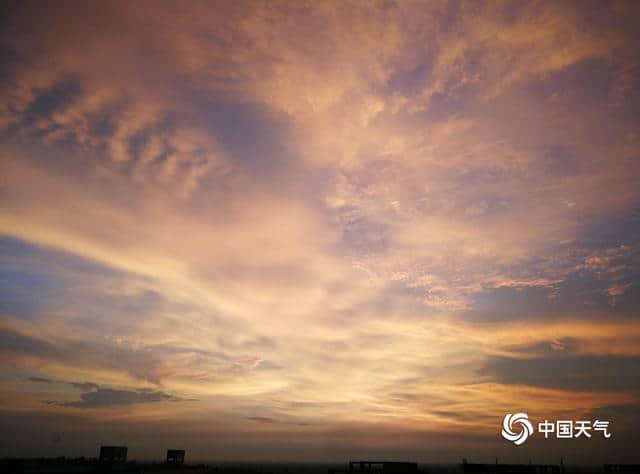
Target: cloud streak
{"type": "Point", "coordinates": [108, 397]}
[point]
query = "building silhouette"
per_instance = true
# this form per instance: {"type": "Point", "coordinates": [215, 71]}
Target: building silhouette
{"type": "Point", "coordinates": [381, 467]}
{"type": "Point", "coordinates": [622, 468]}
{"type": "Point", "coordinates": [497, 468]}
{"type": "Point", "coordinates": [175, 456]}
{"type": "Point", "coordinates": [113, 453]}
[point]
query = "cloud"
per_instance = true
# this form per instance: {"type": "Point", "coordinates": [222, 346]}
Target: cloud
{"type": "Point", "coordinates": [94, 396]}
{"type": "Point", "coordinates": [261, 419]}
{"type": "Point", "coordinates": [19, 344]}
{"type": "Point", "coordinates": [24, 348]}
{"type": "Point", "coordinates": [40, 379]}
{"type": "Point", "coordinates": [84, 386]}
{"type": "Point", "coordinates": [570, 372]}
{"type": "Point", "coordinates": [108, 397]}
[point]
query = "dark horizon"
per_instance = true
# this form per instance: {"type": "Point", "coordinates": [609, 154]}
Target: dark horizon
{"type": "Point", "coordinates": [243, 467]}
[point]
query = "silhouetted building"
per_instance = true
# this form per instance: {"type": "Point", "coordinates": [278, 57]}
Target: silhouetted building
{"type": "Point", "coordinates": [382, 467]}
{"type": "Point", "coordinates": [113, 453]}
{"type": "Point", "coordinates": [527, 468]}
{"type": "Point", "coordinates": [497, 468]}
{"type": "Point", "coordinates": [471, 467]}
{"type": "Point", "coordinates": [175, 456]}
{"type": "Point", "coordinates": [622, 468]}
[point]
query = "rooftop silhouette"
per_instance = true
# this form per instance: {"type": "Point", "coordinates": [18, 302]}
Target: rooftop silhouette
{"type": "Point", "coordinates": [113, 453]}
{"type": "Point", "coordinates": [175, 456]}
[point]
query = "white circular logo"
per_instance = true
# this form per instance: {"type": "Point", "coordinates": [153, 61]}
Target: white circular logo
{"type": "Point", "coordinates": [521, 419]}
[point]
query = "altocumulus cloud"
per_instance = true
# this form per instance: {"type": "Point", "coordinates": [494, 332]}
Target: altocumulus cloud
{"type": "Point", "coordinates": [94, 396]}
{"type": "Point", "coordinates": [40, 379]}
{"type": "Point", "coordinates": [105, 397]}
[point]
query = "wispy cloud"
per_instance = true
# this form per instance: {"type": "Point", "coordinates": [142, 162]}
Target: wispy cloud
{"type": "Point", "coordinates": [261, 419]}
{"type": "Point", "coordinates": [40, 379]}
{"type": "Point", "coordinates": [108, 397]}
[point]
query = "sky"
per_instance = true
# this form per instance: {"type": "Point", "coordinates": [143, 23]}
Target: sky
{"type": "Point", "coordinates": [319, 230]}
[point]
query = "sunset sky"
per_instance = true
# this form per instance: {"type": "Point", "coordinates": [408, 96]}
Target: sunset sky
{"type": "Point", "coordinates": [319, 230]}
